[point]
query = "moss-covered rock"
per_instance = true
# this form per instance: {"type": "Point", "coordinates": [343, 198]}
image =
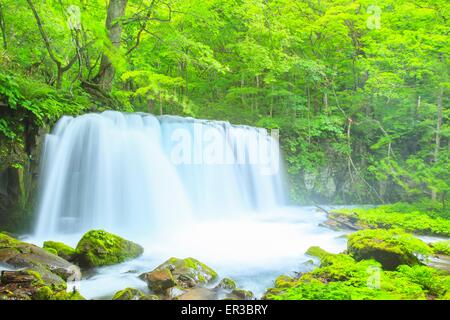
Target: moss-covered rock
{"type": "Point", "coordinates": [20, 254]}
{"type": "Point", "coordinates": [317, 252]}
{"type": "Point", "coordinates": [189, 272]}
{"type": "Point", "coordinates": [60, 249]}
{"type": "Point", "coordinates": [129, 294]}
{"type": "Point", "coordinates": [283, 281]}
{"type": "Point", "coordinates": [390, 247]}
{"type": "Point", "coordinates": [227, 284]}
{"type": "Point", "coordinates": [100, 248]}
{"type": "Point", "coordinates": [241, 294]}
{"type": "Point", "coordinates": [32, 285]}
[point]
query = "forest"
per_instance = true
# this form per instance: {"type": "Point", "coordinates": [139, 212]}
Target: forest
{"type": "Point", "coordinates": [359, 91]}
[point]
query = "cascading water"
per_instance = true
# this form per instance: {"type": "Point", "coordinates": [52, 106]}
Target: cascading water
{"type": "Point", "coordinates": [179, 187]}
{"type": "Point", "coordinates": [136, 173]}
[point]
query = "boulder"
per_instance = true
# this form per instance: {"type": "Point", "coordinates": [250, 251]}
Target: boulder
{"type": "Point", "coordinates": [240, 294]}
{"type": "Point", "coordinates": [198, 294]}
{"type": "Point", "coordinates": [160, 280]}
{"type": "Point", "coordinates": [185, 273]}
{"type": "Point", "coordinates": [31, 285]}
{"type": "Point", "coordinates": [100, 248]}
{"type": "Point", "coordinates": [389, 247]}
{"type": "Point", "coordinates": [177, 277]}
{"type": "Point", "coordinates": [61, 250]}
{"type": "Point", "coordinates": [20, 254]}
{"type": "Point", "coordinates": [226, 284]}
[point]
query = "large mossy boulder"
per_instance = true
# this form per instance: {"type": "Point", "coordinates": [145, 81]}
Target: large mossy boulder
{"type": "Point", "coordinates": [389, 247]}
{"type": "Point", "coordinates": [61, 250]}
{"type": "Point", "coordinates": [18, 254]}
{"type": "Point", "coordinates": [100, 248]}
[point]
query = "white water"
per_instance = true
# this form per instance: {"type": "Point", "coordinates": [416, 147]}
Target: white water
{"type": "Point", "coordinates": [138, 174]}
{"type": "Point", "coordinates": [179, 187]}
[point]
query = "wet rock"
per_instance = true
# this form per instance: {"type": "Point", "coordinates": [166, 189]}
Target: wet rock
{"type": "Point", "coordinates": [160, 280]}
{"type": "Point", "coordinates": [20, 254]}
{"type": "Point", "coordinates": [177, 277]}
{"type": "Point", "coordinates": [189, 272]}
{"type": "Point", "coordinates": [129, 294]}
{"type": "Point", "coordinates": [338, 221]}
{"type": "Point", "coordinates": [185, 273]}
{"type": "Point", "coordinates": [240, 294]}
{"type": "Point", "coordinates": [100, 248]}
{"type": "Point", "coordinates": [31, 285]}
{"type": "Point", "coordinates": [227, 284]}
{"type": "Point", "coordinates": [173, 292]}
{"type": "Point", "coordinates": [198, 294]}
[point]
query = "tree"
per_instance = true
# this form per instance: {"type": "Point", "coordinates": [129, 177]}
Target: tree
{"type": "Point", "coordinates": [106, 73]}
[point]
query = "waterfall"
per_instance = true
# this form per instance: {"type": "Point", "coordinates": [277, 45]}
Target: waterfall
{"type": "Point", "coordinates": [136, 173]}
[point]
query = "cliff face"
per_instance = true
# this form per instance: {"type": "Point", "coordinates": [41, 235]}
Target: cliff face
{"type": "Point", "coordinates": [19, 175]}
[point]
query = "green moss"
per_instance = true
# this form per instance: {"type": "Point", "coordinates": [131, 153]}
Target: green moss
{"type": "Point", "coordinates": [342, 278]}
{"type": "Point", "coordinates": [63, 295]}
{"type": "Point", "coordinates": [317, 252]}
{"type": "Point", "coordinates": [99, 248]}
{"type": "Point", "coordinates": [283, 281]}
{"type": "Point", "coordinates": [62, 250]}
{"type": "Point", "coordinates": [404, 216]}
{"type": "Point", "coordinates": [441, 247]}
{"type": "Point", "coordinates": [129, 294]}
{"type": "Point", "coordinates": [192, 268]}
{"type": "Point", "coordinates": [390, 247]}
{"type": "Point", "coordinates": [8, 241]}
{"type": "Point", "coordinates": [51, 250]}
{"type": "Point", "coordinates": [435, 282]}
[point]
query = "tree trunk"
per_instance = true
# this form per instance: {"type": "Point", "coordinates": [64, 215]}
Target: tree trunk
{"type": "Point", "coordinates": [106, 73]}
{"type": "Point", "coordinates": [437, 141]}
{"type": "Point", "coordinates": [3, 28]}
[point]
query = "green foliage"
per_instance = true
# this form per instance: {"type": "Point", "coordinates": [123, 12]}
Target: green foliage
{"type": "Point", "coordinates": [340, 277]}
{"type": "Point", "coordinates": [352, 97]}
{"type": "Point", "coordinates": [441, 247]}
{"type": "Point", "coordinates": [404, 216]}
